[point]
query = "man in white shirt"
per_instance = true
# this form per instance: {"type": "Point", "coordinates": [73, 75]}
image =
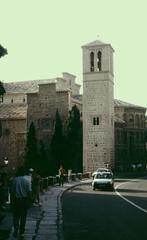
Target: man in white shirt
{"type": "Point", "coordinates": [21, 196]}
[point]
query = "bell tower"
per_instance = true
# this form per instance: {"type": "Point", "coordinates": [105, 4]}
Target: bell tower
{"type": "Point", "coordinates": [98, 107]}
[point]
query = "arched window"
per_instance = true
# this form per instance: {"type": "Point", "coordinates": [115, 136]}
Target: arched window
{"type": "Point", "coordinates": [99, 61]}
{"type": "Point", "coordinates": [92, 61]}
{"type": "Point", "coordinates": [142, 121]}
{"type": "Point", "coordinates": [131, 120]}
{"type": "Point", "coordinates": [125, 118]}
{"type": "Point", "coordinates": [137, 121]}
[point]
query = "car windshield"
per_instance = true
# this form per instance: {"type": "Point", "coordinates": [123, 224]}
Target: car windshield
{"type": "Point", "coordinates": [102, 170]}
{"type": "Point", "coordinates": [103, 175]}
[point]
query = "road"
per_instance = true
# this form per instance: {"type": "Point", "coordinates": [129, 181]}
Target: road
{"type": "Point", "coordinates": [118, 215]}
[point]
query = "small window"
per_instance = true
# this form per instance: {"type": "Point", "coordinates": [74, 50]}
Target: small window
{"type": "Point", "coordinates": [99, 61]}
{"type": "Point", "coordinates": [24, 100]}
{"type": "Point", "coordinates": [96, 121]}
{"type": "Point", "coordinates": [12, 100]}
{"type": "Point", "coordinates": [92, 61]}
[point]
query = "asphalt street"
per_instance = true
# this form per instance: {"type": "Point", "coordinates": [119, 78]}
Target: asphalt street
{"type": "Point", "coordinates": [118, 215]}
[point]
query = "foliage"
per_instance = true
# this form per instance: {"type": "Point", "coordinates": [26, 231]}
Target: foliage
{"type": "Point", "coordinates": [2, 89]}
{"type": "Point", "coordinates": [31, 154]}
{"type": "Point", "coordinates": [57, 144]}
{"type": "Point", "coordinates": [74, 141]}
{"type": "Point", "coordinates": [43, 161]}
{"type": "Point", "coordinates": [3, 51]}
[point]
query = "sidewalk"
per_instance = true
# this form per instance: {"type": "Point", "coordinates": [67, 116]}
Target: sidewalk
{"type": "Point", "coordinates": [45, 222]}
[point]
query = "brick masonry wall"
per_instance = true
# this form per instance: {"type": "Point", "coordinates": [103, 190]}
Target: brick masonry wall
{"type": "Point", "coordinates": [42, 107]}
{"type": "Point", "coordinates": [12, 146]}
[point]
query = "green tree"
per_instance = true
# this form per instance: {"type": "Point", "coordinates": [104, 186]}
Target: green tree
{"type": "Point", "coordinates": [2, 91]}
{"type": "Point", "coordinates": [74, 141]}
{"type": "Point", "coordinates": [43, 163]}
{"type": "Point", "coordinates": [3, 51]}
{"type": "Point", "coordinates": [31, 154]}
{"type": "Point", "coordinates": [57, 144]}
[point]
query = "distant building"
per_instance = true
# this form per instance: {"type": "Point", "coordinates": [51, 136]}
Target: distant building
{"type": "Point", "coordinates": [35, 101]}
{"type": "Point", "coordinates": [130, 152]}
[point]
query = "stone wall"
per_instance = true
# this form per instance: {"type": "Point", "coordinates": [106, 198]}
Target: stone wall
{"type": "Point", "coordinates": [130, 138]}
{"type": "Point", "coordinates": [98, 140]}
{"type": "Point", "coordinates": [42, 107]}
{"type": "Point", "coordinates": [13, 141]}
{"type": "Point", "coordinates": [14, 98]}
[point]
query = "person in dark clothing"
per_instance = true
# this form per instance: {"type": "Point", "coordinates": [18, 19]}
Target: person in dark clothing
{"type": "Point", "coordinates": [61, 175]}
{"type": "Point", "coordinates": [36, 187]}
{"type": "Point", "coordinates": [21, 197]}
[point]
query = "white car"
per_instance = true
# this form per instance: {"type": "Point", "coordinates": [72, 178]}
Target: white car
{"type": "Point", "coordinates": [103, 180]}
{"type": "Point", "coordinates": [101, 170]}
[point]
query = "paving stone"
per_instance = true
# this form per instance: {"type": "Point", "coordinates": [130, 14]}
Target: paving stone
{"type": "Point", "coordinates": [50, 222]}
{"type": "Point", "coordinates": [46, 237]}
{"type": "Point", "coordinates": [50, 227]}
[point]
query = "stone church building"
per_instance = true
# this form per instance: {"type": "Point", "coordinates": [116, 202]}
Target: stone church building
{"type": "Point", "coordinates": [113, 130]}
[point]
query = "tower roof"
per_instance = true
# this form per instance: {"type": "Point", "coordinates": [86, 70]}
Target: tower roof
{"type": "Point", "coordinates": [120, 103]}
{"type": "Point", "coordinates": [96, 43]}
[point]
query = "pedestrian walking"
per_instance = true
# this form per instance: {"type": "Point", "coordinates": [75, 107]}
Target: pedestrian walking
{"type": "Point", "coordinates": [36, 188]}
{"type": "Point", "coordinates": [28, 174]}
{"type": "Point", "coordinates": [61, 175]}
{"type": "Point", "coordinates": [21, 199]}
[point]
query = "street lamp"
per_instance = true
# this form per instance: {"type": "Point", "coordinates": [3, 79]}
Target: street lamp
{"type": "Point", "coordinates": [6, 161]}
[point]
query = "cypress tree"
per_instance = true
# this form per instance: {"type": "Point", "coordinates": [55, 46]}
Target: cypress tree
{"type": "Point", "coordinates": [74, 140]}
{"type": "Point", "coordinates": [31, 154]}
{"type": "Point", "coordinates": [43, 163]}
{"type": "Point", "coordinates": [57, 144]}
{"type": "Point", "coordinates": [3, 51]}
{"type": "Point", "coordinates": [2, 89]}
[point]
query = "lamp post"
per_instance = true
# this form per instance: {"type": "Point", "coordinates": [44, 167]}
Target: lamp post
{"type": "Point", "coordinates": [6, 161]}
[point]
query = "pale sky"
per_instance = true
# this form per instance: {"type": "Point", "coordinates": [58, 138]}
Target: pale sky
{"type": "Point", "coordinates": [44, 39]}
